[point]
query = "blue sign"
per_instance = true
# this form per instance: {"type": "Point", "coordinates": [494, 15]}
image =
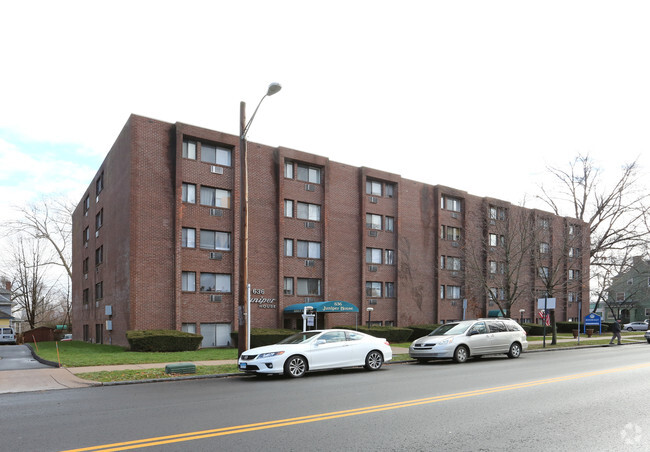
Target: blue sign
{"type": "Point", "coordinates": [593, 319]}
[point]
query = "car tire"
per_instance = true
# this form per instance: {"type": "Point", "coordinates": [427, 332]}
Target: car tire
{"type": "Point", "coordinates": [374, 360]}
{"type": "Point", "coordinates": [515, 350]}
{"type": "Point", "coordinates": [630, 328]}
{"type": "Point", "coordinates": [461, 354]}
{"type": "Point", "coordinates": [295, 366]}
{"type": "Point", "coordinates": [648, 341]}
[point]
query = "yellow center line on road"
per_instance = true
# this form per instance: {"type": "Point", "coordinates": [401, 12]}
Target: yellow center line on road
{"type": "Point", "coordinates": [161, 440]}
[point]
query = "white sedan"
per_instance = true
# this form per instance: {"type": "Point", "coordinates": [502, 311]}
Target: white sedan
{"type": "Point", "coordinates": [317, 350]}
{"type": "Point", "coordinates": [636, 326]}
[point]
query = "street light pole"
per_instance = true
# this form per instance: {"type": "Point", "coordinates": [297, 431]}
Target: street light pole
{"type": "Point", "coordinates": [369, 309]}
{"type": "Point", "coordinates": [243, 333]}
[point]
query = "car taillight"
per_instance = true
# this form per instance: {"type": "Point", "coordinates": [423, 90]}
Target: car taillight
{"type": "Point", "coordinates": [386, 342]}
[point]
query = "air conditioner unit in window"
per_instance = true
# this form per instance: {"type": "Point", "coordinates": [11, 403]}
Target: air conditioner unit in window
{"type": "Point", "coordinates": [310, 224]}
{"type": "Point", "coordinates": [85, 244]}
{"type": "Point", "coordinates": [85, 275]}
{"type": "Point", "coordinates": [109, 325]}
{"type": "Point", "coordinates": [372, 233]}
{"type": "Point", "coordinates": [96, 234]}
{"type": "Point", "coordinates": [108, 310]}
{"type": "Point", "coordinates": [309, 263]}
{"type": "Point", "coordinates": [372, 268]}
{"type": "Point", "coordinates": [455, 244]}
{"type": "Point", "coordinates": [373, 199]}
{"type": "Point", "coordinates": [454, 215]}
{"type": "Point", "coordinates": [310, 187]}
{"type": "Point", "coordinates": [288, 292]}
{"type": "Point", "coordinates": [216, 213]}
{"type": "Point", "coordinates": [493, 222]}
{"type": "Point", "coordinates": [454, 274]}
{"type": "Point", "coordinates": [310, 300]}
{"type": "Point", "coordinates": [372, 301]}
{"type": "Point", "coordinates": [216, 256]}
{"type": "Point", "coordinates": [216, 169]}
{"type": "Point", "coordinates": [215, 298]}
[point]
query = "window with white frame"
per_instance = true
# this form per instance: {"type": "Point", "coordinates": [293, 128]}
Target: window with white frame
{"type": "Point", "coordinates": [389, 257]}
{"type": "Point", "coordinates": [373, 255]}
{"type": "Point", "coordinates": [452, 292]}
{"type": "Point", "coordinates": [494, 238]}
{"type": "Point", "coordinates": [216, 155]}
{"type": "Point", "coordinates": [308, 211]}
{"type": "Point", "coordinates": [373, 187]}
{"type": "Point", "coordinates": [373, 289]}
{"type": "Point", "coordinates": [389, 225]}
{"type": "Point", "coordinates": [373, 221]}
{"type": "Point", "coordinates": [544, 248]}
{"type": "Point", "coordinates": [215, 197]}
{"type": "Point", "coordinates": [288, 169]}
{"type": "Point", "coordinates": [188, 238]}
{"type": "Point", "coordinates": [390, 290]}
{"type": "Point", "coordinates": [308, 250]}
{"type": "Point", "coordinates": [308, 286]}
{"type": "Point", "coordinates": [189, 149]}
{"type": "Point", "coordinates": [288, 286]}
{"type": "Point", "coordinates": [215, 240]}
{"type": "Point", "coordinates": [450, 203]}
{"type": "Point", "coordinates": [188, 281]}
{"type": "Point", "coordinates": [188, 193]}
{"type": "Point", "coordinates": [288, 208]}
{"type": "Point", "coordinates": [288, 247]}
{"type": "Point", "coordinates": [215, 282]}
{"type": "Point", "coordinates": [307, 173]}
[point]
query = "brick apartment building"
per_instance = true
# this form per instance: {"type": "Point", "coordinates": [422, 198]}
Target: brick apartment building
{"type": "Point", "coordinates": [156, 242]}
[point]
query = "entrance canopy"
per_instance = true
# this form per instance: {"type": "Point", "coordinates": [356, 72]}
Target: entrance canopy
{"type": "Point", "coordinates": [322, 306]}
{"type": "Point", "coordinates": [495, 313]}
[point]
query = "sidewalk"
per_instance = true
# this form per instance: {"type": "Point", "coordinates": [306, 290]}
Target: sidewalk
{"type": "Point", "coordinates": [79, 370]}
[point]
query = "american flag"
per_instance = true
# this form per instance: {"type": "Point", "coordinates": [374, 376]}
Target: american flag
{"type": "Point", "coordinates": [545, 317]}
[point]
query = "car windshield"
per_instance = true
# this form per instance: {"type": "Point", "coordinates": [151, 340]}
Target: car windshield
{"type": "Point", "coordinates": [300, 338]}
{"type": "Point", "coordinates": [450, 329]}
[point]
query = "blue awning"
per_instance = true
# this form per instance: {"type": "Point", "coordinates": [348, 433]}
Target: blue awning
{"type": "Point", "coordinates": [322, 306]}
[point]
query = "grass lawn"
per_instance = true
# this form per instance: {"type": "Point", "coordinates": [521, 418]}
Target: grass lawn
{"type": "Point", "coordinates": [79, 353]}
{"type": "Point", "coordinates": [149, 374]}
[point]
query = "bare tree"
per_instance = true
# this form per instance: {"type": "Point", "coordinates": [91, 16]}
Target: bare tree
{"type": "Point", "coordinates": [617, 213]}
{"type": "Point", "coordinates": [31, 291]}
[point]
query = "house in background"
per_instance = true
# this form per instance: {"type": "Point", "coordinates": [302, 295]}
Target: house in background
{"type": "Point", "coordinates": [629, 294]}
{"type": "Point", "coordinates": [6, 319]}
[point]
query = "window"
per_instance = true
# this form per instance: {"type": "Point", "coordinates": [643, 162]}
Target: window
{"type": "Point", "coordinates": [494, 240]}
{"type": "Point", "coordinates": [493, 213]}
{"type": "Point", "coordinates": [288, 247]}
{"type": "Point", "coordinates": [543, 272]}
{"type": "Point", "coordinates": [188, 282]}
{"type": "Point", "coordinates": [373, 255]}
{"type": "Point", "coordinates": [449, 203]}
{"type": "Point", "coordinates": [216, 155]}
{"type": "Point", "coordinates": [99, 220]}
{"type": "Point", "coordinates": [215, 240]}
{"type": "Point", "coordinates": [86, 204]}
{"type": "Point", "coordinates": [574, 229]}
{"type": "Point", "coordinates": [453, 292]}
{"type": "Point", "coordinates": [99, 184]}
{"type": "Point", "coordinates": [215, 282]}
{"type": "Point", "coordinates": [288, 208]}
{"type": "Point", "coordinates": [309, 174]}
{"type": "Point", "coordinates": [288, 169]}
{"type": "Point", "coordinates": [373, 221]}
{"type": "Point", "coordinates": [99, 255]}
{"type": "Point", "coordinates": [86, 236]}
{"type": "Point", "coordinates": [188, 238]}
{"type": "Point", "coordinates": [373, 187]}
{"type": "Point", "coordinates": [215, 197]}
{"type": "Point", "coordinates": [574, 274]}
{"type": "Point", "coordinates": [308, 211]}
{"type": "Point", "coordinates": [630, 281]}
{"type": "Point", "coordinates": [373, 289]}
{"type": "Point", "coordinates": [85, 296]}
{"type": "Point", "coordinates": [497, 213]}
{"type": "Point", "coordinates": [99, 291]}
{"type": "Point", "coordinates": [620, 297]}
{"type": "Point", "coordinates": [453, 263]}
{"type": "Point", "coordinates": [188, 328]}
{"type": "Point", "coordinates": [544, 223]}
{"type": "Point", "coordinates": [453, 233]}
{"type": "Point", "coordinates": [309, 250]}
{"type": "Point", "coordinates": [390, 290]}
{"type": "Point", "coordinates": [493, 267]}
{"type": "Point", "coordinates": [389, 257]}
{"type": "Point", "coordinates": [574, 296]}
{"type": "Point", "coordinates": [390, 190]}
{"type": "Point", "coordinates": [85, 266]}
{"type": "Point", "coordinates": [188, 193]}
{"type": "Point", "coordinates": [308, 286]}
{"type": "Point", "coordinates": [544, 248]}
{"type": "Point", "coordinates": [389, 224]}
{"type": "Point", "coordinates": [574, 252]}
{"type": "Point", "coordinates": [189, 149]}
{"type": "Point", "coordinates": [288, 286]}
{"type": "Point", "coordinates": [442, 292]}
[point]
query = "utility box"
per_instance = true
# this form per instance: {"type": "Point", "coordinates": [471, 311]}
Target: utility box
{"type": "Point", "coordinates": [180, 368]}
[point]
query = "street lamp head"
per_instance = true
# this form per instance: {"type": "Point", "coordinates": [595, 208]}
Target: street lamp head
{"type": "Point", "coordinates": [369, 309]}
{"type": "Point", "coordinates": [273, 88]}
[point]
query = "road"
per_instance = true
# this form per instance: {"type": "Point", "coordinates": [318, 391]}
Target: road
{"type": "Point", "coordinates": [579, 400]}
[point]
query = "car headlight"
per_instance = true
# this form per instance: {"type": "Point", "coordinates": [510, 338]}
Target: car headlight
{"type": "Point", "coordinates": [269, 355]}
{"type": "Point", "coordinates": [446, 341]}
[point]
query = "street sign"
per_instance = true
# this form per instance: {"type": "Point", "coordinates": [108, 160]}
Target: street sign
{"type": "Point", "coordinates": [546, 303]}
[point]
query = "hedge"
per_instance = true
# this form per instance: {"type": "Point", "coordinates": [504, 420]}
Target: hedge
{"type": "Point", "coordinates": [421, 330]}
{"type": "Point", "coordinates": [263, 336]}
{"type": "Point", "coordinates": [390, 333]}
{"type": "Point", "coordinates": [162, 341]}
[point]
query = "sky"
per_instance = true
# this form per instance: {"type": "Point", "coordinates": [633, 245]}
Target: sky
{"type": "Point", "coordinates": [481, 96]}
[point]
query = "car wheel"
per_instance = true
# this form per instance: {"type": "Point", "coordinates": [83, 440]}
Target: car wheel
{"type": "Point", "coordinates": [461, 354]}
{"type": "Point", "coordinates": [629, 328]}
{"type": "Point", "coordinates": [374, 360]}
{"type": "Point", "coordinates": [515, 350]}
{"type": "Point", "coordinates": [648, 341]}
{"type": "Point", "coordinates": [295, 366]}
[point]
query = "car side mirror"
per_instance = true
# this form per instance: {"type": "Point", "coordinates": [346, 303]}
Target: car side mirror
{"type": "Point", "coordinates": [473, 332]}
{"type": "Point", "coordinates": [320, 342]}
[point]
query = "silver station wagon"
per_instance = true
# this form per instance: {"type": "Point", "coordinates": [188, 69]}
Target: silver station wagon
{"type": "Point", "coordinates": [462, 340]}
